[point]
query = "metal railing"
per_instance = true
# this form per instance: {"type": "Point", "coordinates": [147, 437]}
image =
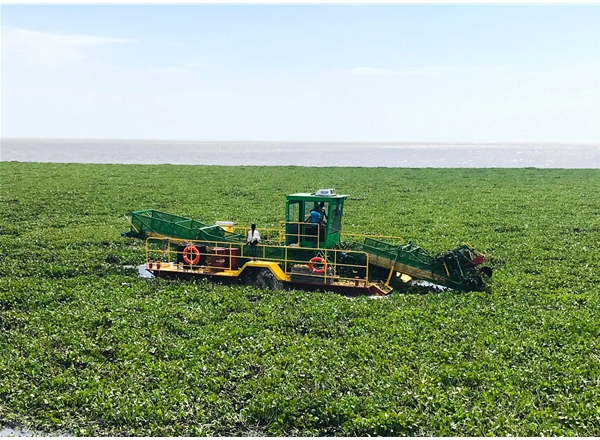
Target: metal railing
{"type": "Point", "coordinates": [226, 256]}
{"type": "Point", "coordinates": [303, 232]}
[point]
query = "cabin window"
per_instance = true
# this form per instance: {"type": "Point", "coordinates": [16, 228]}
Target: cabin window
{"type": "Point", "coordinates": [335, 222]}
{"type": "Point", "coordinates": [293, 214]}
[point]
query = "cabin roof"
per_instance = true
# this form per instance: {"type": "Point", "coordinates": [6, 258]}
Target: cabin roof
{"type": "Point", "coordinates": [313, 197]}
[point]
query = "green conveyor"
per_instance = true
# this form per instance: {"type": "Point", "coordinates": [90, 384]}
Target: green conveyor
{"type": "Point", "coordinates": [153, 223]}
{"type": "Point", "coordinates": [454, 269]}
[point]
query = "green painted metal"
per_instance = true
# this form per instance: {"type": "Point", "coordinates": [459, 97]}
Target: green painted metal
{"type": "Point", "coordinates": [161, 226]}
{"type": "Point", "coordinates": [454, 268]}
{"type": "Point", "coordinates": [150, 222]}
{"type": "Point", "coordinates": [297, 209]}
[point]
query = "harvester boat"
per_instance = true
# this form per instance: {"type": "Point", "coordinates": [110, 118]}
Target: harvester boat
{"type": "Point", "coordinates": [299, 254]}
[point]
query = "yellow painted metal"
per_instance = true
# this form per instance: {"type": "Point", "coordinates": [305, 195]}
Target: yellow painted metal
{"type": "Point", "coordinates": [272, 266]}
{"type": "Point", "coordinates": [299, 235]}
{"type": "Point", "coordinates": [277, 236]}
{"type": "Point", "coordinates": [267, 235]}
{"type": "Point", "coordinates": [389, 278]}
{"type": "Point", "coordinates": [399, 267]}
{"type": "Point", "coordinates": [384, 288]}
{"type": "Point", "coordinates": [392, 270]}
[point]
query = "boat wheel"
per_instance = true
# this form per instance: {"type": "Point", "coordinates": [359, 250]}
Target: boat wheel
{"type": "Point", "coordinates": [261, 279]}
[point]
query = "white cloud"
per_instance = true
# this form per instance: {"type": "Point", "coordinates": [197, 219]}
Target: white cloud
{"type": "Point", "coordinates": [43, 48]}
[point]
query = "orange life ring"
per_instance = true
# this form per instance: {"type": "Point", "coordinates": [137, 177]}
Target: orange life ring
{"type": "Point", "coordinates": [196, 253]}
{"type": "Point", "coordinates": [317, 260]}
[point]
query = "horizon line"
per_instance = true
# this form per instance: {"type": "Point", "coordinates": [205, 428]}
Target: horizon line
{"type": "Point", "coordinates": [233, 141]}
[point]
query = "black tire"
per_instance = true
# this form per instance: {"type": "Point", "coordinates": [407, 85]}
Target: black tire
{"type": "Point", "coordinates": [261, 279]}
{"type": "Point", "coordinates": [487, 271]}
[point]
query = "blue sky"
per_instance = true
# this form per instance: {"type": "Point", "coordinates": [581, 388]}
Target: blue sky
{"type": "Point", "coordinates": [414, 73]}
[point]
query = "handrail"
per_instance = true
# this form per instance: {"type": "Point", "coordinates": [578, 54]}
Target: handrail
{"type": "Point", "coordinates": [301, 232]}
{"type": "Point", "coordinates": [265, 233]}
{"type": "Point", "coordinates": [286, 261]}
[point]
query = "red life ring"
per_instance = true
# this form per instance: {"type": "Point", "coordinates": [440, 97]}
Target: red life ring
{"type": "Point", "coordinates": [194, 251]}
{"type": "Point", "coordinates": [320, 260]}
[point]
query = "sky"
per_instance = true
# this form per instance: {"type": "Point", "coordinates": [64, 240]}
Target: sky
{"type": "Point", "coordinates": [348, 73]}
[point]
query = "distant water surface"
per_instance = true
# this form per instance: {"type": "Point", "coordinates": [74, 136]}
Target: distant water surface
{"type": "Point", "coordinates": [346, 154]}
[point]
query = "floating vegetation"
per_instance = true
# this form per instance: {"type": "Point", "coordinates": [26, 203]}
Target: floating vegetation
{"type": "Point", "coordinates": [89, 347]}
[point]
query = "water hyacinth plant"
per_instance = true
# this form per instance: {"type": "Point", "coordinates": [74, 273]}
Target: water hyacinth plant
{"type": "Point", "coordinates": [88, 347]}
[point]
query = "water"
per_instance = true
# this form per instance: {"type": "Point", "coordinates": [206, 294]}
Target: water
{"type": "Point", "coordinates": [392, 154]}
{"type": "Point", "coordinates": [142, 272]}
{"type": "Point", "coordinates": [10, 432]}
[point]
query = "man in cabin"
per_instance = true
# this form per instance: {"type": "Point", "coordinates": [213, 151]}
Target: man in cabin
{"type": "Point", "coordinates": [314, 218]}
{"type": "Point", "coordinates": [253, 239]}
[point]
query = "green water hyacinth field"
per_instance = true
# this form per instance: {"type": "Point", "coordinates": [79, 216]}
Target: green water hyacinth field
{"type": "Point", "coordinates": [88, 347]}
